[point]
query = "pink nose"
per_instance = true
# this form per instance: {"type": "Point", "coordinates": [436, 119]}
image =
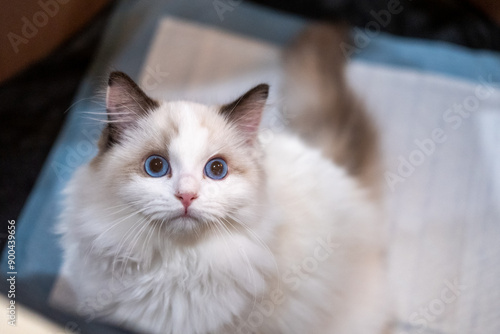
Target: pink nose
{"type": "Point", "coordinates": [186, 198]}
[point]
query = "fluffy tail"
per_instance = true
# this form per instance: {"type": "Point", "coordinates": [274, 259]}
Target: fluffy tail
{"type": "Point", "coordinates": [323, 109]}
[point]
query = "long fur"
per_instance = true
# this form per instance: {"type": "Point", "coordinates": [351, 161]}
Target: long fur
{"type": "Point", "coordinates": [288, 242]}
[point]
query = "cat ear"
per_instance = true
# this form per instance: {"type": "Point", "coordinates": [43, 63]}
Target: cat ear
{"type": "Point", "coordinates": [246, 111]}
{"type": "Point", "coordinates": [125, 104]}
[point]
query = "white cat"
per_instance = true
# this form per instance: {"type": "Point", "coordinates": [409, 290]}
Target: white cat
{"type": "Point", "coordinates": [184, 223]}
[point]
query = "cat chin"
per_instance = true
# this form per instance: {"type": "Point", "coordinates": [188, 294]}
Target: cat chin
{"type": "Point", "coordinates": [191, 228]}
{"type": "Point", "coordinates": [183, 226]}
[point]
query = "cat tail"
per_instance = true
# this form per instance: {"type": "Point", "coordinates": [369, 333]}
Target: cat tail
{"type": "Point", "coordinates": [323, 109]}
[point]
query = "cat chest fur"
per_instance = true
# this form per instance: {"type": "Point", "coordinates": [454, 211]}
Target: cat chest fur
{"type": "Point", "coordinates": [193, 291]}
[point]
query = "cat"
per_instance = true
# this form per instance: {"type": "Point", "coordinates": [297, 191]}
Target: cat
{"type": "Point", "coordinates": [185, 223]}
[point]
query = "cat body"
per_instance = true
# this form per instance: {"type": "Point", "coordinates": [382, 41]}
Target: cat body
{"type": "Point", "coordinates": [185, 223]}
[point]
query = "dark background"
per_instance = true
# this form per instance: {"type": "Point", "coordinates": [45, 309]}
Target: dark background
{"type": "Point", "coordinates": [33, 103]}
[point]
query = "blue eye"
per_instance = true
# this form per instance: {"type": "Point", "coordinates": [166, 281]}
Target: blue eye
{"type": "Point", "coordinates": [216, 169]}
{"type": "Point", "coordinates": [156, 166]}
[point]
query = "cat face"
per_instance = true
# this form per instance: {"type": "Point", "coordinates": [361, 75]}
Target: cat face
{"type": "Point", "coordinates": [183, 165]}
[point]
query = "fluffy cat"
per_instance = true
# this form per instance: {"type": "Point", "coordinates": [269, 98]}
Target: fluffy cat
{"type": "Point", "coordinates": [184, 223]}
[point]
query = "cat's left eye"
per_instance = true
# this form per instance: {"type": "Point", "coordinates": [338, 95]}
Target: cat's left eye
{"type": "Point", "coordinates": [156, 166]}
{"type": "Point", "coordinates": [216, 169]}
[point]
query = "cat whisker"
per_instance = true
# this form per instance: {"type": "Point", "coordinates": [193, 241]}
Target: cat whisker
{"type": "Point", "coordinates": [121, 207]}
{"type": "Point", "coordinates": [152, 229]}
{"type": "Point", "coordinates": [106, 121]}
{"type": "Point", "coordinates": [113, 224]}
{"type": "Point", "coordinates": [91, 99]}
{"type": "Point", "coordinates": [250, 270]}
{"type": "Point", "coordinates": [135, 240]}
{"type": "Point", "coordinates": [160, 242]}
{"type": "Point", "coordinates": [219, 226]}
{"type": "Point", "coordinates": [104, 113]}
{"type": "Point", "coordinates": [257, 238]}
{"type": "Point", "coordinates": [138, 104]}
{"type": "Point", "coordinates": [121, 244]}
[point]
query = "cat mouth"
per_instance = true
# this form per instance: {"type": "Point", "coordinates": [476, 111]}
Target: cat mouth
{"type": "Point", "coordinates": [177, 216]}
{"type": "Point", "coordinates": [185, 214]}
{"type": "Point", "coordinates": [180, 222]}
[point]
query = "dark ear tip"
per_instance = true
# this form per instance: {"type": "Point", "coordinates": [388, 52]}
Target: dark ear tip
{"type": "Point", "coordinates": [262, 89]}
{"type": "Point", "coordinates": [117, 75]}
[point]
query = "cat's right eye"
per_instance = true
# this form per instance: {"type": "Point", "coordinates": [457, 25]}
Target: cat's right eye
{"type": "Point", "coordinates": [216, 169]}
{"type": "Point", "coordinates": [156, 166]}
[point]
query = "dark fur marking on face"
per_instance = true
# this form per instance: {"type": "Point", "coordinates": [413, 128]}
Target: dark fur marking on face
{"type": "Point", "coordinates": [256, 95]}
{"type": "Point", "coordinates": [246, 111]}
{"type": "Point", "coordinates": [126, 103]}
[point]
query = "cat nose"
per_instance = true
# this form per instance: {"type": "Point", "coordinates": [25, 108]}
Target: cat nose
{"type": "Point", "coordinates": [186, 198]}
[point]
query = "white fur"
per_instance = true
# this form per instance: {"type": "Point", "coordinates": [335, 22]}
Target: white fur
{"type": "Point", "coordinates": [275, 274]}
